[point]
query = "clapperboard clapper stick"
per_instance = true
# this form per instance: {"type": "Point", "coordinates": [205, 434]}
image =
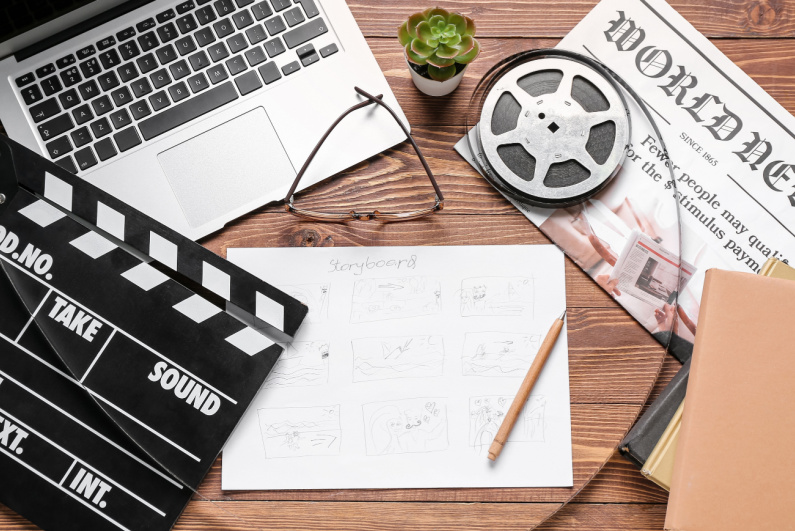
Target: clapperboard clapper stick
{"type": "Point", "coordinates": [128, 353]}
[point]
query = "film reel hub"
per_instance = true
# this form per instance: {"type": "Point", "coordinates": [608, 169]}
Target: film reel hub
{"type": "Point", "coordinates": [553, 131]}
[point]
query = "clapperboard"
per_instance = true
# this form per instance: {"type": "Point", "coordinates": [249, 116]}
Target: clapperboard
{"type": "Point", "coordinates": [128, 353]}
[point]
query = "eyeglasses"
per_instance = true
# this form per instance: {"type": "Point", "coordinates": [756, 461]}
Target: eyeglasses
{"type": "Point", "coordinates": [373, 214]}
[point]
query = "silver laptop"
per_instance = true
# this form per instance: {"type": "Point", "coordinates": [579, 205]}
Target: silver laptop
{"type": "Point", "coordinates": [194, 112]}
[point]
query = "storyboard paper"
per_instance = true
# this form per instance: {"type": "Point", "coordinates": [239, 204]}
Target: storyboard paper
{"type": "Point", "coordinates": [730, 143]}
{"type": "Point", "coordinates": [404, 369]}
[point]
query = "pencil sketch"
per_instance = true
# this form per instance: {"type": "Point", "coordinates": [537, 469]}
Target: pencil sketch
{"type": "Point", "coordinates": [303, 363]}
{"type": "Point", "coordinates": [315, 297]}
{"type": "Point", "coordinates": [300, 431]}
{"type": "Point", "coordinates": [486, 413]}
{"type": "Point", "coordinates": [498, 353]}
{"type": "Point", "coordinates": [505, 296]}
{"type": "Point", "coordinates": [378, 299]}
{"type": "Point", "coordinates": [414, 425]}
{"type": "Point", "coordinates": [397, 357]}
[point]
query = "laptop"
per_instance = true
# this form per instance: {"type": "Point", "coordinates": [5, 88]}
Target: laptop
{"type": "Point", "coordinates": [194, 112]}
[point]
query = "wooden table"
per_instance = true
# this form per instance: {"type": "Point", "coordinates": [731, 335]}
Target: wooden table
{"type": "Point", "coordinates": [614, 362]}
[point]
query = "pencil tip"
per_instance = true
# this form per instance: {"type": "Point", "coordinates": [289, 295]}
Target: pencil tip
{"type": "Point", "coordinates": [562, 315]}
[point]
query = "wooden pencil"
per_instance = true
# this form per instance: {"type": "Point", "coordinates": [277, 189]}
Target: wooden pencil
{"type": "Point", "coordinates": [527, 385]}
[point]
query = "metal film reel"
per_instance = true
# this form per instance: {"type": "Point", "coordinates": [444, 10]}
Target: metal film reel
{"type": "Point", "coordinates": [554, 131]}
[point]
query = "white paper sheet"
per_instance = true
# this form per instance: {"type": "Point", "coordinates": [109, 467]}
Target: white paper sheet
{"type": "Point", "coordinates": [404, 369]}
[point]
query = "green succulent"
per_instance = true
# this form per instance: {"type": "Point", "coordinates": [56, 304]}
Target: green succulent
{"type": "Point", "coordinates": [439, 39]}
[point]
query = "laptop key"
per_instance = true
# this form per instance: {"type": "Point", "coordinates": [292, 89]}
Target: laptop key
{"type": "Point", "coordinates": [255, 35]}
{"type": "Point", "coordinates": [310, 59]}
{"type": "Point", "coordinates": [199, 61]}
{"type": "Point", "coordinates": [261, 10]}
{"type": "Point", "coordinates": [178, 92]}
{"type": "Point", "coordinates": [280, 5]}
{"type": "Point", "coordinates": [71, 76]}
{"type": "Point", "coordinates": [82, 114]}
{"type": "Point", "coordinates": [243, 3]}
{"type": "Point", "coordinates": [127, 72]}
{"type": "Point", "coordinates": [185, 7]}
{"type": "Point", "coordinates": [255, 56]}
{"type": "Point", "coordinates": [197, 83]}
{"type": "Point", "coordinates": [140, 109]}
{"type": "Point", "coordinates": [146, 63]}
{"type": "Point", "coordinates": [242, 19]}
{"type": "Point", "coordinates": [269, 72]}
{"type": "Point", "coordinates": [205, 15]}
{"type": "Point", "coordinates": [90, 68]}
{"type": "Point", "coordinates": [218, 52]}
{"type": "Point", "coordinates": [306, 32]}
{"type": "Point", "coordinates": [147, 41]}
{"type": "Point", "coordinates": [44, 110]}
{"type": "Point", "coordinates": [167, 32]}
{"type": "Point", "coordinates": [108, 80]}
{"type": "Point", "coordinates": [63, 62]}
{"type": "Point", "coordinates": [294, 16]}
{"type": "Point", "coordinates": [85, 158]}
{"type": "Point", "coordinates": [166, 15]}
{"type": "Point", "coordinates": [328, 50]}
{"type": "Point", "coordinates": [204, 36]}
{"type": "Point", "coordinates": [159, 100]}
{"type": "Point", "coordinates": [58, 147]}
{"type": "Point", "coordinates": [88, 90]}
{"type": "Point", "coordinates": [236, 43]}
{"type": "Point", "coordinates": [145, 25]}
{"type": "Point", "coordinates": [309, 8]}
{"type": "Point", "coordinates": [128, 50]}
{"type": "Point", "coordinates": [102, 105]}
{"type": "Point", "coordinates": [216, 74]}
{"type": "Point", "coordinates": [141, 87]}
{"type": "Point", "coordinates": [88, 51]}
{"type": "Point", "coordinates": [106, 43]}
{"type": "Point", "coordinates": [223, 28]}
{"type": "Point", "coordinates": [305, 50]}
{"type": "Point", "coordinates": [185, 45]}
{"type": "Point", "coordinates": [125, 34]}
{"type": "Point", "coordinates": [121, 96]}
{"type": "Point", "coordinates": [69, 99]}
{"type": "Point", "coordinates": [160, 78]}
{"type": "Point", "coordinates": [290, 68]}
{"type": "Point", "coordinates": [110, 58]}
{"type": "Point", "coordinates": [179, 69]}
{"type": "Point", "coordinates": [224, 7]}
{"type": "Point", "coordinates": [28, 78]}
{"type": "Point", "coordinates": [191, 109]}
{"type": "Point", "coordinates": [81, 137]}
{"type": "Point", "coordinates": [120, 119]}
{"type": "Point", "coordinates": [32, 94]}
{"type": "Point", "coordinates": [274, 47]}
{"type": "Point", "coordinates": [67, 164]}
{"type": "Point", "coordinates": [248, 82]}
{"type": "Point", "coordinates": [275, 25]}
{"type": "Point", "coordinates": [51, 85]}
{"type": "Point", "coordinates": [187, 24]}
{"type": "Point", "coordinates": [166, 54]}
{"type": "Point", "coordinates": [100, 127]}
{"type": "Point", "coordinates": [45, 70]}
{"type": "Point", "coordinates": [105, 149]}
{"type": "Point", "coordinates": [236, 65]}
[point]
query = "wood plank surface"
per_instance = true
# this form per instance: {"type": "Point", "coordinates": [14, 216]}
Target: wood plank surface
{"type": "Point", "coordinates": [613, 362]}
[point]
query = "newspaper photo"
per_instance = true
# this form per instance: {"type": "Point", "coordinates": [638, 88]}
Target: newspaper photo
{"type": "Point", "coordinates": [730, 149]}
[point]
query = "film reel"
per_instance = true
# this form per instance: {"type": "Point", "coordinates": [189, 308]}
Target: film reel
{"type": "Point", "coordinates": [554, 131]}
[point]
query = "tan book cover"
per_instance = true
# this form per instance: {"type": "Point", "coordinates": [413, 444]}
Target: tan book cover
{"type": "Point", "coordinates": [659, 467]}
{"type": "Point", "coordinates": [734, 467]}
{"type": "Point", "coordinates": [778, 269]}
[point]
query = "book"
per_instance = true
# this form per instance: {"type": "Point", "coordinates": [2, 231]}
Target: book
{"type": "Point", "coordinates": [728, 471]}
{"type": "Point", "coordinates": [641, 439]}
{"type": "Point", "coordinates": [660, 465]}
{"type": "Point", "coordinates": [778, 269]}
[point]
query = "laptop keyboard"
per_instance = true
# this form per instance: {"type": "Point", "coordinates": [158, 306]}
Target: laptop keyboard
{"type": "Point", "coordinates": [146, 80]}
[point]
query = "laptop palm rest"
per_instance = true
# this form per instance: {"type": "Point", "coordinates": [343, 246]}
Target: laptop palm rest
{"type": "Point", "coordinates": [227, 167]}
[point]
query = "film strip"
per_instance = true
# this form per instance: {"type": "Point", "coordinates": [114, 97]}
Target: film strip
{"type": "Point", "coordinates": [119, 382]}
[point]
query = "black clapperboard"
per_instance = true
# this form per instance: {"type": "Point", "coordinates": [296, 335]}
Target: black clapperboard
{"type": "Point", "coordinates": [128, 353]}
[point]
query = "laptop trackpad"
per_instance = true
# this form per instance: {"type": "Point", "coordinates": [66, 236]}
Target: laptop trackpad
{"type": "Point", "coordinates": [238, 163]}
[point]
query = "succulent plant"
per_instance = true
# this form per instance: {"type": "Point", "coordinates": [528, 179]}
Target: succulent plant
{"type": "Point", "coordinates": [439, 39]}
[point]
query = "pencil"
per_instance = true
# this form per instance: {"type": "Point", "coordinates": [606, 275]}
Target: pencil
{"type": "Point", "coordinates": [527, 386]}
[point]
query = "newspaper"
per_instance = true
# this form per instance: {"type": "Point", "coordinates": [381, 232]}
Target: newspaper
{"type": "Point", "coordinates": [732, 151]}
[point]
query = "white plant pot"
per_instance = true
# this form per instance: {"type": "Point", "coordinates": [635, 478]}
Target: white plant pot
{"type": "Point", "coordinates": [436, 88]}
